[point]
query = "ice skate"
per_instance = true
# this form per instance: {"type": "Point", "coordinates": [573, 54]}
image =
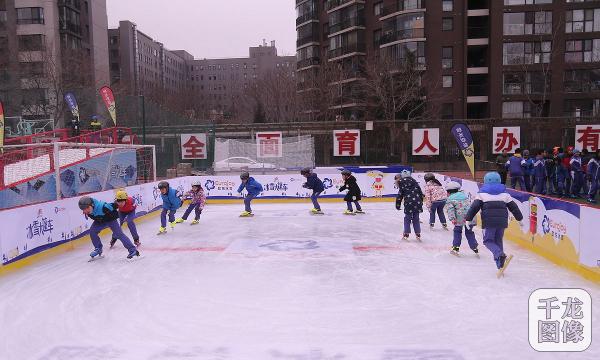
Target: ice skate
{"type": "Point", "coordinates": [348, 212]}
{"type": "Point", "coordinates": [162, 230]}
{"type": "Point", "coordinates": [96, 254]}
{"type": "Point", "coordinates": [112, 242]}
{"type": "Point", "coordinates": [431, 226]}
{"type": "Point", "coordinates": [445, 226]}
{"type": "Point", "coordinates": [418, 237]}
{"type": "Point", "coordinates": [133, 252]}
{"type": "Point", "coordinates": [316, 211]}
{"type": "Point", "coordinates": [504, 261]}
{"type": "Point", "coordinates": [476, 251]}
{"type": "Point", "coordinates": [455, 251]}
{"type": "Point", "coordinates": [246, 214]}
{"type": "Point", "coordinates": [173, 225]}
{"type": "Point", "coordinates": [405, 237]}
{"type": "Point", "coordinates": [179, 221]}
{"type": "Point", "coordinates": [359, 212]}
{"type": "Point", "coordinates": [195, 222]}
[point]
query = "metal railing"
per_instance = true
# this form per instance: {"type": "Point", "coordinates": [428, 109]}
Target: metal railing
{"type": "Point", "coordinates": [401, 35]}
{"type": "Point", "coordinates": [348, 49]}
{"type": "Point", "coordinates": [347, 23]}
{"type": "Point", "coordinates": [402, 5]}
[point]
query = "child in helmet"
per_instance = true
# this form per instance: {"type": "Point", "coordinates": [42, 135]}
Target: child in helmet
{"type": "Point", "coordinates": [171, 202]}
{"type": "Point", "coordinates": [197, 203]}
{"type": "Point", "coordinates": [457, 207]}
{"type": "Point", "coordinates": [409, 191]}
{"type": "Point", "coordinates": [494, 203]}
{"type": "Point", "coordinates": [253, 187]}
{"type": "Point", "coordinates": [104, 215]}
{"type": "Point", "coordinates": [353, 195]}
{"type": "Point", "coordinates": [316, 185]}
{"type": "Point", "coordinates": [126, 206]}
{"type": "Point", "coordinates": [435, 199]}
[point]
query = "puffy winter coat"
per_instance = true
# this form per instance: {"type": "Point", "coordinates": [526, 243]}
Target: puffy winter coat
{"type": "Point", "coordinates": [411, 193]}
{"type": "Point", "coordinates": [103, 212]}
{"type": "Point", "coordinates": [198, 197]}
{"type": "Point", "coordinates": [354, 193]}
{"type": "Point", "coordinates": [515, 165]}
{"type": "Point", "coordinates": [457, 207]}
{"type": "Point", "coordinates": [494, 203]}
{"type": "Point", "coordinates": [171, 200]}
{"type": "Point", "coordinates": [128, 207]}
{"type": "Point", "coordinates": [313, 182]}
{"type": "Point", "coordinates": [434, 192]}
{"type": "Point", "coordinates": [252, 186]}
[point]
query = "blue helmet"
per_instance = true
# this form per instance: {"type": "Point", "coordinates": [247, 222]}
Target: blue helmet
{"type": "Point", "coordinates": [492, 178]}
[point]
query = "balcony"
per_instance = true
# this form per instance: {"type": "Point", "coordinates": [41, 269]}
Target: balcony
{"type": "Point", "coordinates": [312, 61]}
{"type": "Point", "coordinates": [478, 32]}
{"type": "Point", "coordinates": [345, 50]}
{"type": "Point", "coordinates": [402, 5]}
{"type": "Point", "coordinates": [401, 35]}
{"type": "Point", "coordinates": [332, 4]}
{"type": "Point", "coordinates": [313, 15]}
{"type": "Point", "coordinates": [346, 24]}
{"type": "Point", "coordinates": [478, 4]}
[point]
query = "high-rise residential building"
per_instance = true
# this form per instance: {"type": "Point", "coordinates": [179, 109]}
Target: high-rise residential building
{"type": "Point", "coordinates": [476, 58]}
{"type": "Point", "coordinates": [50, 47]}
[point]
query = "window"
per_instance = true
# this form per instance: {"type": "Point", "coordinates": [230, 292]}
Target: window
{"type": "Point", "coordinates": [31, 97]}
{"type": "Point", "coordinates": [403, 27]}
{"type": "Point", "coordinates": [535, 82]}
{"type": "Point", "coordinates": [527, 53]}
{"type": "Point", "coordinates": [447, 24]}
{"type": "Point", "coordinates": [3, 19]}
{"type": "Point", "coordinates": [32, 15]}
{"type": "Point", "coordinates": [447, 5]}
{"type": "Point", "coordinates": [582, 81]}
{"type": "Point", "coordinates": [31, 42]}
{"type": "Point", "coordinates": [447, 57]}
{"type": "Point", "coordinates": [582, 20]}
{"type": "Point", "coordinates": [447, 81]}
{"type": "Point", "coordinates": [447, 111]}
{"type": "Point", "coordinates": [377, 8]}
{"type": "Point", "coordinates": [582, 107]}
{"type": "Point", "coordinates": [526, 2]}
{"type": "Point", "coordinates": [525, 23]}
{"type": "Point", "coordinates": [516, 109]}
{"type": "Point", "coordinates": [578, 51]}
{"type": "Point", "coordinates": [31, 69]}
{"type": "Point", "coordinates": [400, 52]}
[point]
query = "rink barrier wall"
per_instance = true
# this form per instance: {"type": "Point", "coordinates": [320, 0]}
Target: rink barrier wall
{"type": "Point", "coordinates": [35, 232]}
{"type": "Point", "coordinates": [563, 232]}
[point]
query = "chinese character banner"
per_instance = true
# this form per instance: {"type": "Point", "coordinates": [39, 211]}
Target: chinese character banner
{"type": "Point", "coordinates": [506, 138]}
{"type": "Point", "coordinates": [194, 146]}
{"type": "Point", "coordinates": [426, 142]}
{"type": "Point", "coordinates": [346, 142]}
{"type": "Point", "coordinates": [269, 144]}
{"type": "Point", "coordinates": [587, 137]}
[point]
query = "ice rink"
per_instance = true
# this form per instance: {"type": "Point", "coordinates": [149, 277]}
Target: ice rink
{"type": "Point", "coordinates": [282, 285]}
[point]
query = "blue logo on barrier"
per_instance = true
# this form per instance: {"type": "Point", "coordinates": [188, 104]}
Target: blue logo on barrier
{"type": "Point", "coordinates": [291, 245]}
{"type": "Point", "coordinates": [209, 185]}
{"type": "Point", "coordinates": [546, 224]}
{"type": "Point", "coordinates": [327, 183]}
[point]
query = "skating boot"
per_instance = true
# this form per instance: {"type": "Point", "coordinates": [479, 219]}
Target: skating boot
{"type": "Point", "coordinates": [316, 211]}
{"type": "Point", "coordinates": [348, 212]}
{"type": "Point", "coordinates": [455, 251]}
{"type": "Point", "coordinates": [137, 242]}
{"type": "Point", "coordinates": [431, 226]}
{"type": "Point", "coordinates": [359, 212]}
{"type": "Point", "coordinates": [133, 252]}
{"type": "Point", "coordinates": [418, 237]}
{"type": "Point", "coordinates": [445, 226]}
{"type": "Point", "coordinates": [246, 214]}
{"type": "Point", "coordinates": [405, 237]}
{"type": "Point", "coordinates": [195, 222]}
{"type": "Point", "coordinates": [500, 261]}
{"type": "Point", "coordinates": [173, 225]}
{"type": "Point", "coordinates": [162, 230]}
{"type": "Point", "coordinates": [96, 252]}
{"type": "Point", "coordinates": [112, 242]}
{"type": "Point", "coordinates": [179, 221]}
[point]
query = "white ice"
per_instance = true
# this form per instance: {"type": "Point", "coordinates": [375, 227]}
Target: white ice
{"type": "Point", "coordinates": [211, 291]}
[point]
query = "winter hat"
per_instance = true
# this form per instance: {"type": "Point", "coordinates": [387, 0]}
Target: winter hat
{"type": "Point", "coordinates": [492, 178]}
{"type": "Point", "coordinates": [525, 152]}
{"type": "Point", "coordinates": [452, 185]}
{"type": "Point", "coordinates": [405, 174]}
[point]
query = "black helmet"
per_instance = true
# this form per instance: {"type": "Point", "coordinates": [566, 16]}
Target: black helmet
{"type": "Point", "coordinates": [85, 202]}
{"type": "Point", "coordinates": [163, 185]}
{"type": "Point", "coordinates": [245, 175]}
{"type": "Point", "coordinates": [305, 171]}
{"type": "Point", "coordinates": [346, 172]}
{"type": "Point", "coordinates": [429, 177]}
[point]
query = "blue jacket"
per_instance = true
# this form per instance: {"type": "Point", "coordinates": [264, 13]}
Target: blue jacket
{"type": "Point", "coordinates": [171, 200]}
{"type": "Point", "coordinates": [539, 168]}
{"type": "Point", "coordinates": [253, 187]}
{"type": "Point", "coordinates": [576, 164]}
{"type": "Point", "coordinates": [528, 168]}
{"type": "Point", "coordinates": [593, 169]}
{"type": "Point", "coordinates": [103, 212]}
{"type": "Point", "coordinates": [494, 203]}
{"type": "Point", "coordinates": [515, 165]}
{"type": "Point", "coordinates": [313, 182]}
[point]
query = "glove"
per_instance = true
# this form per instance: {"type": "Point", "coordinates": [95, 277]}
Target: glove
{"type": "Point", "coordinates": [471, 224]}
{"type": "Point", "coordinates": [305, 186]}
{"type": "Point", "coordinates": [398, 204]}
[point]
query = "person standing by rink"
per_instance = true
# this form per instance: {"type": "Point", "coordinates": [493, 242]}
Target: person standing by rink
{"type": "Point", "coordinates": [353, 195]}
{"type": "Point", "coordinates": [515, 166]}
{"type": "Point", "coordinates": [494, 203]}
{"type": "Point", "coordinates": [104, 215]}
{"type": "Point", "coordinates": [410, 192]}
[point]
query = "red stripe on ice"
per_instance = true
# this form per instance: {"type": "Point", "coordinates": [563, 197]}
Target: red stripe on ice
{"type": "Point", "coordinates": [183, 249]}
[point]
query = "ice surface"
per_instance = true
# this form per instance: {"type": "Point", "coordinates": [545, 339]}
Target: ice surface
{"type": "Point", "coordinates": [281, 285]}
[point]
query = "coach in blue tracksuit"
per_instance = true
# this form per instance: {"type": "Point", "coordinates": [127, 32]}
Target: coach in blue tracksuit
{"type": "Point", "coordinates": [539, 172]}
{"type": "Point", "coordinates": [528, 170]}
{"type": "Point", "coordinates": [593, 171]}
{"type": "Point", "coordinates": [515, 166]}
{"type": "Point", "coordinates": [577, 175]}
{"type": "Point", "coordinates": [494, 203]}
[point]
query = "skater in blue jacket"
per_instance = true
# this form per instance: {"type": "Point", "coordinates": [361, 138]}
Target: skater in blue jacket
{"type": "Point", "coordinates": [316, 185]}
{"type": "Point", "coordinates": [494, 203]}
{"type": "Point", "coordinates": [539, 173]}
{"type": "Point", "coordinates": [171, 202]}
{"type": "Point", "coordinates": [253, 188]}
{"type": "Point", "coordinates": [528, 171]}
{"type": "Point", "coordinates": [577, 174]}
{"type": "Point", "coordinates": [515, 166]}
{"type": "Point", "coordinates": [104, 215]}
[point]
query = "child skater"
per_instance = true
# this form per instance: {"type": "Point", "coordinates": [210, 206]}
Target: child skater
{"type": "Point", "coordinates": [494, 203]}
{"type": "Point", "coordinates": [197, 203]}
{"type": "Point", "coordinates": [316, 185]}
{"type": "Point", "coordinates": [253, 188]}
{"type": "Point", "coordinates": [171, 202]}
{"type": "Point", "coordinates": [457, 206]}
{"type": "Point", "coordinates": [435, 199]}
{"type": "Point", "coordinates": [104, 215]}
{"type": "Point", "coordinates": [353, 195]}
{"type": "Point", "coordinates": [409, 191]}
{"type": "Point", "coordinates": [127, 207]}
